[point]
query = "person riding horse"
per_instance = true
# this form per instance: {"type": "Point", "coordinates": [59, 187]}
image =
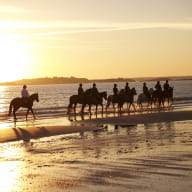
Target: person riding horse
{"type": "Point", "coordinates": [166, 86]}
{"type": "Point", "coordinates": [115, 91]}
{"type": "Point", "coordinates": [158, 87]}
{"type": "Point", "coordinates": [92, 91]}
{"type": "Point", "coordinates": [80, 92]}
{"type": "Point", "coordinates": [146, 90]}
{"type": "Point", "coordinates": [127, 89]}
{"type": "Point", "coordinates": [25, 94]}
{"type": "Point", "coordinates": [168, 92]}
{"type": "Point", "coordinates": [157, 95]}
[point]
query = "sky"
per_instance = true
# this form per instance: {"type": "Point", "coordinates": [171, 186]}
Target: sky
{"type": "Point", "coordinates": [95, 39]}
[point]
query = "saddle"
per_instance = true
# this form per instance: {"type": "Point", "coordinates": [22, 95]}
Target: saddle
{"type": "Point", "coordinates": [25, 100]}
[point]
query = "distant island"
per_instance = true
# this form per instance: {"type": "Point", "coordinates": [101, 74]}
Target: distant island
{"type": "Point", "coordinates": [72, 80]}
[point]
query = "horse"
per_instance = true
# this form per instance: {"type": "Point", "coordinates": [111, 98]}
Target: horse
{"type": "Point", "coordinates": [112, 99]}
{"type": "Point", "coordinates": [18, 102]}
{"type": "Point", "coordinates": [73, 101]}
{"type": "Point", "coordinates": [77, 99]}
{"type": "Point", "coordinates": [93, 99]}
{"type": "Point", "coordinates": [157, 97]}
{"type": "Point", "coordinates": [168, 94]}
{"type": "Point", "coordinates": [145, 98]}
{"type": "Point", "coordinates": [126, 98]}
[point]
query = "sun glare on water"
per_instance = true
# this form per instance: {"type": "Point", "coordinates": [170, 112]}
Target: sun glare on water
{"type": "Point", "coordinates": [13, 58]}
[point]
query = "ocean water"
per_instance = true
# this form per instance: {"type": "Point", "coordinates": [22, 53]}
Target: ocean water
{"type": "Point", "coordinates": [51, 163]}
{"type": "Point", "coordinates": [54, 98]}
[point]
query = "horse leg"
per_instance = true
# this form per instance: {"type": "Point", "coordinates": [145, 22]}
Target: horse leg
{"type": "Point", "coordinates": [14, 114]}
{"type": "Point", "coordinates": [96, 110]}
{"type": "Point", "coordinates": [90, 109]}
{"type": "Point", "coordinates": [68, 108]}
{"type": "Point", "coordinates": [74, 108]}
{"type": "Point", "coordinates": [32, 113]}
{"type": "Point", "coordinates": [108, 103]}
{"type": "Point", "coordinates": [114, 107]}
{"type": "Point", "coordinates": [27, 113]}
{"type": "Point", "coordinates": [82, 108]}
{"type": "Point", "coordinates": [119, 107]}
{"type": "Point", "coordinates": [134, 107]}
{"type": "Point", "coordinates": [168, 100]}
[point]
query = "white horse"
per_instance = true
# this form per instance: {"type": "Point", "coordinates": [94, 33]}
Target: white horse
{"type": "Point", "coordinates": [142, 98]}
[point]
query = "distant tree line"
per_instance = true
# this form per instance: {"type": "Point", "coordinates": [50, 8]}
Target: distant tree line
{"type": "Point", "coordinates": [69, 80]}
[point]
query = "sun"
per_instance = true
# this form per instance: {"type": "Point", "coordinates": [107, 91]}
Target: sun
{"type": "Point", "coordinates": [13, 58]}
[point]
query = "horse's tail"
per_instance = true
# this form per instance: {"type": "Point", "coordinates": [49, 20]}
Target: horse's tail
{"type": "Point", "coordinates": [10, 108]}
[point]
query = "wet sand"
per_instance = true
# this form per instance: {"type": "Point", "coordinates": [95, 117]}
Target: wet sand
{"type": "Point", "coordinates": [138, 152]}
{"type": "Point", "coordinates": [44, 128]}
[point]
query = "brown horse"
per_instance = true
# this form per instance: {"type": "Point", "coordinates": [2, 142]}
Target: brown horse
{"type": "Point", "coordinates": [112, 99]}
{"type": "Point", "coordinates": [158, 98]}
{"type": "Point", "coordinates": [73, 101]}
{"type": "Point", "coordinates": [94, 99]}
{"type": "Point", "coordinates": [126, 98]}
{"type": "Point", "coordinates": [168, 95]}
{"type": "Point", "coordinates": [18, 102]}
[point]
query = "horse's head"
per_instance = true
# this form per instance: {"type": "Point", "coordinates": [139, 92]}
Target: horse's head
{"type": "Point", "coordinates": [35, 97]}
{"type": "Point", "coordinates": [103, 95]}
{"type": "Point", "coordinates": [171, 88]}
{"type": "Point", "coordinates": [151, 90]}
{"type": "Point", "coordinates": [133, 91]}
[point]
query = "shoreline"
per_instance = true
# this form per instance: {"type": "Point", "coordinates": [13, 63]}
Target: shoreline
{"type": "Point", "coordinates": [57, 127]}
{"type": "Point", "coordinates": [145, 118]}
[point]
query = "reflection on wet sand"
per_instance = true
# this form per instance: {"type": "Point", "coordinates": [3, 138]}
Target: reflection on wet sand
{"type": "Point", "coordinates": [10, 168]}
{"type": "Point", "coordinates": [116, 157]}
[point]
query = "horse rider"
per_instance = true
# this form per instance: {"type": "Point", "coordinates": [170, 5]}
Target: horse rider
{"type": "Point", "coordinates": [158, 86]}
{"type": "Point", "coordinates": [25, 94]}
{"type": "Point", "coordinates": [94, 90]}
{"type": "Point", "coordinates": [115, 90]}
{"type": "Point", "coordinates": [80, 90]}
{"type": "Point", "coordinates": [127, 89]}
{"type": "Point", "coordinates": [166, 86]}
{"type": "Point", "coordinates": [146, 90]}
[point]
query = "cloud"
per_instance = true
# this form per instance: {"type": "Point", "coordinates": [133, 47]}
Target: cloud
{"type": "Point", "coordinates": [10, 9]}
{"type": "Point", "coordinates": [50, 29]}
{"type": "Point", "coordinates": [90, 28]}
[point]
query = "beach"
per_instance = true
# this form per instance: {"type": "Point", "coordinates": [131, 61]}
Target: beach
{"type": "Point", "coordinates": [149, 151]}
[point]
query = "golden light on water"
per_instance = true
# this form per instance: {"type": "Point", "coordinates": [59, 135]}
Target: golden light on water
{"type": "Point", "coordinates": [9, 169]}
{"type": "Point", "coordinates": [2, 97]}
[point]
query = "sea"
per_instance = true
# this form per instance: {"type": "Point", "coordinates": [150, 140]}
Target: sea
{"type": "Point", "coordinates": [51, 163]}
{"type": "Point", "coordinates": [54, 98]}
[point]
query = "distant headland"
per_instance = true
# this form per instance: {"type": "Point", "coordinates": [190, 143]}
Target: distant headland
{"type": "Point", "coordinates": [72, 80]}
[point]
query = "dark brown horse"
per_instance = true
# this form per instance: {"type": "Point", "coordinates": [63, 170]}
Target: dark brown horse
{"type": "Point", "coordinates": [73, 101]}
{"type": "Point", "coordinates": [158, 98]}
{"type": "Point", "coordinates": [126, 98]}
{"type": "Point", "coordinates": [94, 99]}
{"type": "Point", "coordinates": [18, 102]}
{"type": "Point", "coordinates": [168, 95]}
